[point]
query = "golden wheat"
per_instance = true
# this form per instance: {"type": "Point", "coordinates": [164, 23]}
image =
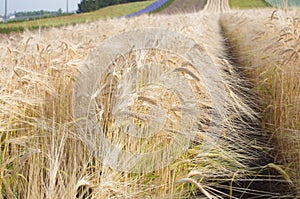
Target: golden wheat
{"type": "Point", "coordinates": [266, 43]}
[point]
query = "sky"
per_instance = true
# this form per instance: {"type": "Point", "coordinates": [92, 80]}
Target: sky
{"type": "Point", "coordinates": [33, 5]}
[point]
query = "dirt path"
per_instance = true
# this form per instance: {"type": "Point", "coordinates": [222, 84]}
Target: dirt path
{"type": "Point", "coordinates": [184, 6]}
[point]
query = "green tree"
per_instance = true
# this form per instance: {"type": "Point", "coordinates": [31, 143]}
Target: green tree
{"type": "Point", "coordinates": [59, 11]}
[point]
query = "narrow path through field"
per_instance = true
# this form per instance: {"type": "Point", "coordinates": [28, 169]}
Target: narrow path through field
{"type": "Point", "coordinates": [220, 6]}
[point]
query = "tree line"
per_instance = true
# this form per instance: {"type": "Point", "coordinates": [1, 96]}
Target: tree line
{"type": "Point", "coordinates": [40, 13]}
{"type": "Point", "coordinates": [91, 5]}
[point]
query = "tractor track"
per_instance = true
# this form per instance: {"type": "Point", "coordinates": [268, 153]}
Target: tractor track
{"type": "Point", "coordinates": [217, 5]}
{"type": "Point", "coordinates": [221, 6]}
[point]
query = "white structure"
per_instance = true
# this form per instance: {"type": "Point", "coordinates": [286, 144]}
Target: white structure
{"type": "Point", "coordinates": [11, 17]}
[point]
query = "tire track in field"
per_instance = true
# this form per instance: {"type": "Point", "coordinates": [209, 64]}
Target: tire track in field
{"type": "Point", "coordinates": [217, 5]}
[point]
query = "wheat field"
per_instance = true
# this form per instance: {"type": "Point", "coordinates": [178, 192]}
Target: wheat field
{"type": "Point", "coordinates": [72, 97]}
{"type": "Point", "coordinates": [266, 43]}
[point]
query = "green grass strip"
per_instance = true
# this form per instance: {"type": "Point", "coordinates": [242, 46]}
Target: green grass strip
{"type": "Point", "coordinates": [104, 13]}
{"type": "Point", "coordinates": [244, 4]}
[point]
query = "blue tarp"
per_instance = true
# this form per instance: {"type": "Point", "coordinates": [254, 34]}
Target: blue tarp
{"type": "Point", "coordinates": [154, 6]}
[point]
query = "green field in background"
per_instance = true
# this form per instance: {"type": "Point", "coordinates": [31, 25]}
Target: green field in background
{"type": "Point", "coordinates": [117, 11]}
{"type": "Point", "coordinates": [104, 13]}
{"type": "Point", "coordinates": [248, 3]}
